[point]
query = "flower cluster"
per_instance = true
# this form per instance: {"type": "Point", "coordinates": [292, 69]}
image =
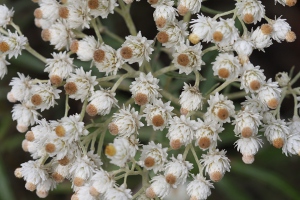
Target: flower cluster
{"type": "Point", "coordinates": [193, 121]}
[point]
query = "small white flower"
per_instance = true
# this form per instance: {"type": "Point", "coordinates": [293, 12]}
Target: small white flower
{"type": "Point", "coordinates": [80, 85]}
{"type": "Point", "coordinates": [199, 188]}
{"type": "Point", "coordinates": [181, 131]}
{"type": "Point", "coordinates": [189, 5]}
{"type": "Point", "coordinates": [43, 188]}
{"type": "Point", "coordinates": [118, 193]}
{"type": "Point", "coordinates": [83, 193]}
{"type": "Point", "coordinates": [101, 181]}
{"type": "Point", "coordinates": [5, 15]}
{"type": "Point", "coordinates": [145, 89]}
{"type": "Point", "coordinates": [188, 58]}
{"type": "Point", "coordinates": [136, 49]}
{"type": "Point", "coordinates": [84, 48]}
{"type": "Point", "coordinates": [243, 47]}
{"type": "Point", "coordinates": [13, 44]}
{"type": "Point", "coordinates": [292, 145]}
{"type": "Point", "coordinates": [224, 32]}
{"type": "Point", "coordinates": [3, 66]}
{"type": "Point", "coordinates": [248, 147]}
{"type": "Point", "coordinates": [216, 164]}
{"type": "Point", "coordinates": [280, 29]}
{"type": "Point", "coordinates": [164, 14]}
{"type": "Point", "coordinates": [101, 7]}
{"type": "Point", "coordinates": [172, 33]}
{"type": "Point", "coordinates": [158, 114]}
{"type": "Point", "coordinates": [177, 170]}
{"type": "Point", "coordinates": [20, 90]}
{"type": "Point", "coordinates": [101, 102]}
{"type": "Point", "coordinates": [220, 108]}
{"type": "Point", "coordinates": [253, 104]}
{"type": "Point", "coordinates": [190, 99]}
{"type": "Point", "coordinates": [78, 16]}
{"type": "Point", "coordinates": [153, 157]}
{"type": "Point", "coordinates": [282, 78]}
{"type": "Point", "coordinates": [269, 94]}
{"type": "Point", "coordinates": [286, 2]}
{"type": "Point", "coordinates": [251, 11]}
{"type": "Point", "coordinates": [59, 67]}
{"type": "Point", "coordinates": [158, 188]}
{"type": "Point", "coordinates": [48, 10]}
{"type": "Point", "coordinates": [226, 66]}
{"type": "Point", "coordinates": [202, 29]}
{"type": "Point", "coordinates": [119, 151]}
{"type": "Point", "coordinates": [247, 123]}
{"type": "Point", "coordinates": [252, 78]}
{"type": "Point", "coordinates": [260, 40]}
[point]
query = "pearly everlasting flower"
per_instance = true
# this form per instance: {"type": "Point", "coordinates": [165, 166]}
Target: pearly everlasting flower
{"type": "Point", "coordinates": [101, 102]}
{"type": "Point", "coordinates": [207, 133]}
{"type": "Point", "coordinates": [43, 188]}
{"type": "Point", "coordinates": [153, 157]}
{"type": "Point", "coordinates": [177, 170]}
{"type": "Point", "coordinates": [181, 131]}
{"type": "Point", "coordinates": [59, 35]}
{"type": "Point", "coordinates": [69, 128]}
{"type": "Point", "coordinates": [119, 151]}
{"type": "Point", "coordinates": [283, 79]}
{"type": "Point", "coordinates": [276, 132]}
{"type": "Point", "coordinates": [280, 29]}
{"type": "Point", "coordinates": [216, 164]}
{"type": "Point", "coordinates": [125, 122]}
{"type": "Point", "coordinates": [101, 7]}
{"type": "Point", "coordinates": [247, 123]}
{"type": "Point", "coordinates": [136, 49]}
{"type": "Point", "coordinates": [78, 14]}
{"type": "Point", "coordinates": [145, 89]}
{"type": "Point", "coordinates": [20, 90]}
{"type": "Point", "coordinates": [220, 109]}
{"type": "Point", "coordinates": [118, 193]}
{"type": "Point", "coordinates": [107, 59]}
{"type": "Point", "coordinates": [252, 78]}
{"type": "Point", "coordinates": [172, 34]}
{"type": "Point", "coordinates": [292, 144]}
{"type": "Point", "coordinates": [84, 48]}
{"type": "Point", "coordinates": [13, 44]}
{"type": "Point", "coordinates": [253, 104]}
{"type": "Point", "coordinates": [80, 85]}
{"type": "Point", "coordinates": [251, 11]}
{"type": "Point", "coordinates": [224, 32]}
{"type": "Point", "coordinates": [199, 188]}
{"type": "Point", "coordinates": [158, 188]}
{"type": "Point", "coordinates": [243, 46]}
{"type": "Point", "coordinates": [189, 5]}
{"type": "Point", "coordinates": [158, 114]}
{"type": "Point", "coordinates": [25, 115]}
{"type": "Point", "coordinates": [248, 147]}
{"type": "Point", "coordinates": [164, 13]}
{"type": "Point", "coordinates": [83, 193]}
{"type": "Point", "coordinates": [3, 66]}
{"type": "Point", "coordinates": [101, 181]}
{"type": "Point", "coordinates": [260, 40]}
{"type": "Point", "coordinates": [48, 10]}
{"type": "Point", "coordinates": [294, 125]}
{"type": "Point", "coordinates": [190, 99]}
{"type": "Point", "coordinates": [269, 94]}
{"type": "Point", "coordinates": [202, 29]}
{"type": "Point", "coordinates": [188, 58]}
{"type": "Point", "coordinates": [5, 15]}
{"type": "Point", "coordinates": [286, 2]}
{"type": "Point", "coordinates": [226, 66]}
{"type": "Point", "coordinates": [44, 95]}
{"type": "Point", "coordinates": [59, 67]}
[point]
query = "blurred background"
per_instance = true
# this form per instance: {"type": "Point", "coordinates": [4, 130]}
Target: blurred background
{"type": "Point", "coordinates": [272, 175]}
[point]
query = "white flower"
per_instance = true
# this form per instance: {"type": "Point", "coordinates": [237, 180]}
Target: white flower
{"type": "Point", "coordinates": [294, 125]}
{"type": "Point", "coordinates": [59, 67]}
{"type": "Point", "coordinates": [190, 99]}
{"type": "Point", "coordinates": [158, 114]}
{"type": "Point", "coordinates": [145, 89]}
{"type": "Point", "coordinates": [84, 193]}
{"type": "Point", "coordinates": [254, 105]}
{"type": "Point", "coordinates": [44, 95]}
{"type": "Point", "coordinates": [125, 122]}
{"type": "Point", "coordinates": [3, 66]}
{"type": "Point", "coordinates": [202, 29]}
{"type": "Point", "coordinates": [280, 29]}
{"type": "Point", "coordinates": [207, 133]}
{"type": "Point", "coordinates": [101, 181]}
{"type": "Point", "coordinates": [164, 14]}
{"type": "Point", "coordinates": [226, 66]}
{"type": "Point", "coordinates": [153, 157]}
{"type": "Point", "coordinates": [199, 188]}
{"type": "Point", "coordinates": [292, 145]}
{"type": "Point", "coordinates": [188, 58]}
{"type": "Point", "coordinates": [247, 123]}
{"type": "Point", "coordinates": [13, 44]}
{"type": "Point", "coordinates": [5, 15]}
{"type": "Point", "coordinates": [20, 88]}
{"type": "Point", "coordinates": [260, 40]}
{"type": "Point", "coordinates": [172, 33]}
{"type": "Point", "coordinates": [216, 164]}
{"type": "Point", "coordinates": [43, 188]}
{"type": "Point", "coordinates": [119, 151]}
{"type": "Point", "coordinates": [282, 78]}
{"type": "Point", "coordinates": [276, 132]}
{"type": "Point", "coordinates": [48, 10]}
{"type": "Point", "coordinates": [80, 85]}
{"type": "Point", "coordinates": [189, 5]}
{"type": "Point", "coordinates": [101, 102]}
{"type": "Point", "coordinates": [181, 131]}
{"type": "Point", "coordinates": [107, 59]}
{"type": "Point", "coordinates": [252, 78]}
{"type": "Point", "coordinates": [269, 94]}
{"type": "Point", "coordinates": [25, 115]}
{"type": "Point", "coordinates": [248, 147]}
{"type": "Point", "coordinates": [78, 16]}
{"type": "Point", "coordinates": [101, 7]}
{"type": "Point", "coordinates": [84, 48]}
{"type": "Point", "coordinates": [251, 11]}
{"type": "Point", "coordinates": [177, 170]}
{"type": "Point", "coordinates": [120, 193]}
{"type": "Point", "coordinates": [136, 49]}
{"type": "Point", "coordinates": [158, 188]}
{"type": "Point", "coordinates": [243, 47]}
{"type": "Point", "coordinates": [224, 32]}
{"type": "Point", "coordinates": [286, 2]}
{"type": "Point", "coordinates": [220, 109]}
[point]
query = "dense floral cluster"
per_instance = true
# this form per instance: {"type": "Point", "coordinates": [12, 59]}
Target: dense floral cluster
{"type": "Point", "coordinates": [65, 148]}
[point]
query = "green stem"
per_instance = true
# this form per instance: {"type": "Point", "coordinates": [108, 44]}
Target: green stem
{"type": "Point", "coordinates": [96, 29]}
{"type": "Point", "coordinates": [35, 53]}
{"type": "Point", "coordinates": [67, 107]}
{"type": "Point", "coordinates": [187, 17]}
{"type": "Point", "coordinates": [170, 97]}
{"type": "Point", "coordinates": [277, 111]}
{"type": "Point", "coordinates": [226, 83]}
{"type": "Point", "coordinates": [83, 109]}
{"type": "Point", "coordinates": [197, 159]}
{"type": "Point", "coordinates": [128, 68]}
{"type": "Point", "coordinates": [16, 27]}
{"type": "Point", "coordinates": [108, 78]}
{"type": "Point", "coordinates": [224, 14]}
{"type": "Point", "coordinates": [212, 48]}
{"type": "Point", "coordinates": [295, 79]}
{"type": "Point", "coordinates": [197, 81]}
{"type": "Point", "coordinates": [209, 10]}
{"type": "Point", "coordinates": [164, 70]}
{"type": "Point", "coordinates": [124, 76]}
{"type": "Point", "coordinates": [100, 143]}
{"type": "Point", "coordinates": [125, 12]}
{"type": "Point", "coordinates": [186, 151]}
